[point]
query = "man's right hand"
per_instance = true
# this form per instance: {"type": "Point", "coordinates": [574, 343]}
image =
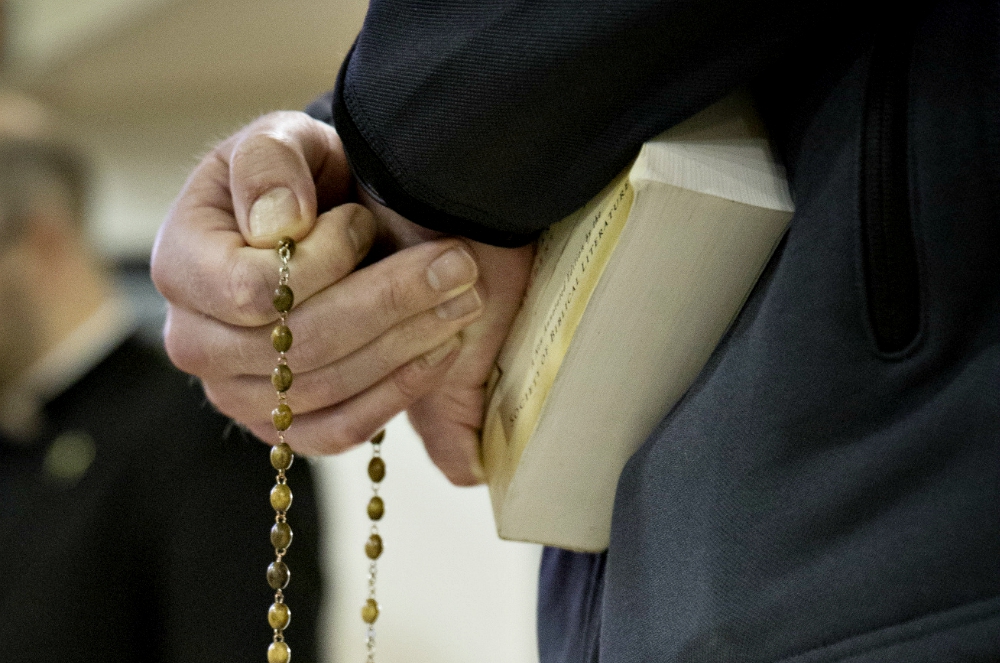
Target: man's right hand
{"type": "Point", "coordinates": [368, 343]}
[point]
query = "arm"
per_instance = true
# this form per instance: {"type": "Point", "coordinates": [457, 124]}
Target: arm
{"type": "Point", "coordinates": [493, 120]}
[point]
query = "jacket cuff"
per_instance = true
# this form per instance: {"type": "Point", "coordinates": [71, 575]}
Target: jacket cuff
{"type": "Point", "coordinates": [372, 174]}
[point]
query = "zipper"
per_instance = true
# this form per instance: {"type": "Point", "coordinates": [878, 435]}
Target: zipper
{"type": "Point", "coordinates": [890, 260]}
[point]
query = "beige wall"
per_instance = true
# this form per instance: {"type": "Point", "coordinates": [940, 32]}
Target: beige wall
{"type": "Point", "coordinates": [146, 86]}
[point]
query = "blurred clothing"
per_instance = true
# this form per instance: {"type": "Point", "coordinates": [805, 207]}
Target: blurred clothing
{"type": "Point", "coordinates": [21, 407]}
{"type": "Point", "coordinates": [138, 517]}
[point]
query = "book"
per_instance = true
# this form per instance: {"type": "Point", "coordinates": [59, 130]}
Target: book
{"type": "Point", "coordinates": [627, 299]}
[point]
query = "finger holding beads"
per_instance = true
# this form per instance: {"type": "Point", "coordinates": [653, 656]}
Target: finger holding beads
{"type": "Point", "coordinates": [202, 264]}
{"type": "Point", "coordinates": [244, 397]}
{"type": "Point", "coordinates": [345, 425]}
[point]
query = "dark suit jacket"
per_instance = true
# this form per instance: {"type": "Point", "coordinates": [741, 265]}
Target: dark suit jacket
{"type": "Point", "coordinates": [158, 551]}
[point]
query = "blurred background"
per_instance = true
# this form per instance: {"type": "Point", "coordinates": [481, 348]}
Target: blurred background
{"type": "Point", "coordinates": [145, 87]}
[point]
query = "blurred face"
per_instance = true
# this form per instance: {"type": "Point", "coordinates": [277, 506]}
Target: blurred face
{"type": "Point", "coordinates": [18, 342]}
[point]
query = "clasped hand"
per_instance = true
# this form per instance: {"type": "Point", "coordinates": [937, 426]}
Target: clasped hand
{"type": "Point", "coordinates": [417, 330]}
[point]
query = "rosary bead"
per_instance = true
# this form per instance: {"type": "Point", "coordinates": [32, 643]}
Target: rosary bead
{"type": "Point", "coordinates": [376, 508]}
{"type": "Point", "coordinates": [286, 242]}
{"type": "Point", "coordinates": [373, 547]}
{"type": "Point", "coordinates": [279, 615]}
{"type": "Point", "coordinates": [281, 377]}
{"type": "Point", "coordinates": [369, 611]}
{"type": "Point", "coordinates": [281, 338]}
{"type": "Point", "coordinates": [279, 652]}
{"type": "Point", "coordinates": [379, 436]}
{"type": "Point", "coordinates": [281, 417]}
{"type": "Point", "coordinates": [376, 469]}
{"type": "Point", "coordinates": [281, 456]}
{"type": "Point", "coordinates": [283, 299]}
{"type": "Point", "coordinates": [281, 497]}
{"type": "Point", "coordinates": [278, 575]}
{"type": "Point", "coordinates": [281, 536]}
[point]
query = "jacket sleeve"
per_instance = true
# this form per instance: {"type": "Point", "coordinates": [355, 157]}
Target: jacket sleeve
{"type": "Point", "coordinates": [493, 120]}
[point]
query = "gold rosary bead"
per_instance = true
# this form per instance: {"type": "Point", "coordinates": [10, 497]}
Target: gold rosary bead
{"type": "Point", "coordinates": [278, 616]}
{"type": "Point", "coordinates": [369, 611]}
{"type": "Point", "coordinates": [286, 243]}
{"type": "Point", "coordinates": [376, 469]}
{"type": "Point", "coordinates": [281, 536]}
{"type": "Point", "coordinates": [279, 652]}
{"type": "Point", "coordinates": [278, 575]}
{"type": "Point", "coordinates": [281, 338]}
{"type": "Point", "coordinates": [283, 299]}
{"type": "Point", "coordinates": [281, 497]}
{"type": "Point", "coordinates": [281, 377]}
{"type": "Point", "coordinates": [376, 508]}
{"type": "Point", "coordinates": [281, 456]}
{"type": "Point", "coordinates": [281, 417]}
{"type": "Point", "coordinates": [379, 436]}
{"type": "Point", "coordinates": [373, 546]}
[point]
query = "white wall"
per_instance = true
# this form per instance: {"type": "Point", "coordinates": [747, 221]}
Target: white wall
{"type": "Point", "coordinates": [450, 590]}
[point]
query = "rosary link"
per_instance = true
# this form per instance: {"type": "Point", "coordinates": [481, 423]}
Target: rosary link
{"type": "Point", "coordinates": [373, 547]}
{"type": "Point", "coordinates": [278, 574]}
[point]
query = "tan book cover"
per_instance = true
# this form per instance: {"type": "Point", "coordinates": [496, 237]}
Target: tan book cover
{"type": "Point", "coordinates": [628, 298]}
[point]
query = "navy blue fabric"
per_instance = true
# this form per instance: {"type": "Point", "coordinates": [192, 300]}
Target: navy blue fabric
{"type": "Point", "coordinates": [570, 595]}
{"type": "Point", "coordinates": [810, 490]}
{"type": "Point", "coordinates": [501, 117]}
{"type": "Point", "coordinates": [813, 497]}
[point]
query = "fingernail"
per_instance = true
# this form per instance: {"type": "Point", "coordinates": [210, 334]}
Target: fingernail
{"type": "Point", "coordinates": [437, 355]}
{"type": "Point", "coordinates": [459, 306]}
{"type": "Point", "coordinates": [361, 231]}
{"type": "Point", "coordinates": [452, 269]}
{"type": "Point", "coordinates": [273, 212]}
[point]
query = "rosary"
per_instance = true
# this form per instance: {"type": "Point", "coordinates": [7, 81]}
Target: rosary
{"type": "Point", "coordinates": [278, 573]}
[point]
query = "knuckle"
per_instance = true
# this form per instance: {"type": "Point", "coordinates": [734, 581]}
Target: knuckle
{"type": "Point", "coordinates": [221, 400]}
{"type": "Point", "coordinates": [313, 346]}
{"type": "Point", "coordinates": [394, 296]}
{"type": "Point", "coordinates": [409, 380]}
{"type": "Point", "coordinates": [383, 359]}
{"type": "Point", "coordinates": [247, 292]}
{"type": "Point", "coordinates": [341, 434]}
{"type": "Point", "coordinates": [182, 353]}
{"type": "Point", "coordinates": [323, 391]}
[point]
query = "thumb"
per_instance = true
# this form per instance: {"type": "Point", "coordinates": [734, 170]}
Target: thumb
{"type": "Point", "coordinates": [282, 167]}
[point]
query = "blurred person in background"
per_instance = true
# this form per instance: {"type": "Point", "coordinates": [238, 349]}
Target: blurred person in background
{"type": "Point", "coordinates": [137, 516]}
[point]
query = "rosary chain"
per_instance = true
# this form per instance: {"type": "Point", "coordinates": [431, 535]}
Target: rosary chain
{"type": "Point", "coordinates": [373, 547]}
{"type": "Point", "coordinates": [278, 574]}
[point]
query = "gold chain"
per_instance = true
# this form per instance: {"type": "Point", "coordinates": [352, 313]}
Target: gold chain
{"type": "Point", "coordinates": [278, 574]}
{"type": "Point", "coordinates": [373, 547]}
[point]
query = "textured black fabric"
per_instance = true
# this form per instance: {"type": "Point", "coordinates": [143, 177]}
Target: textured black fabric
{"type": "Point", "coordinates": [510, 115]}
{"type": "Point", "coordinates": [159, 553]}
{"type": "Point", "coordinates": [814, 497]}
